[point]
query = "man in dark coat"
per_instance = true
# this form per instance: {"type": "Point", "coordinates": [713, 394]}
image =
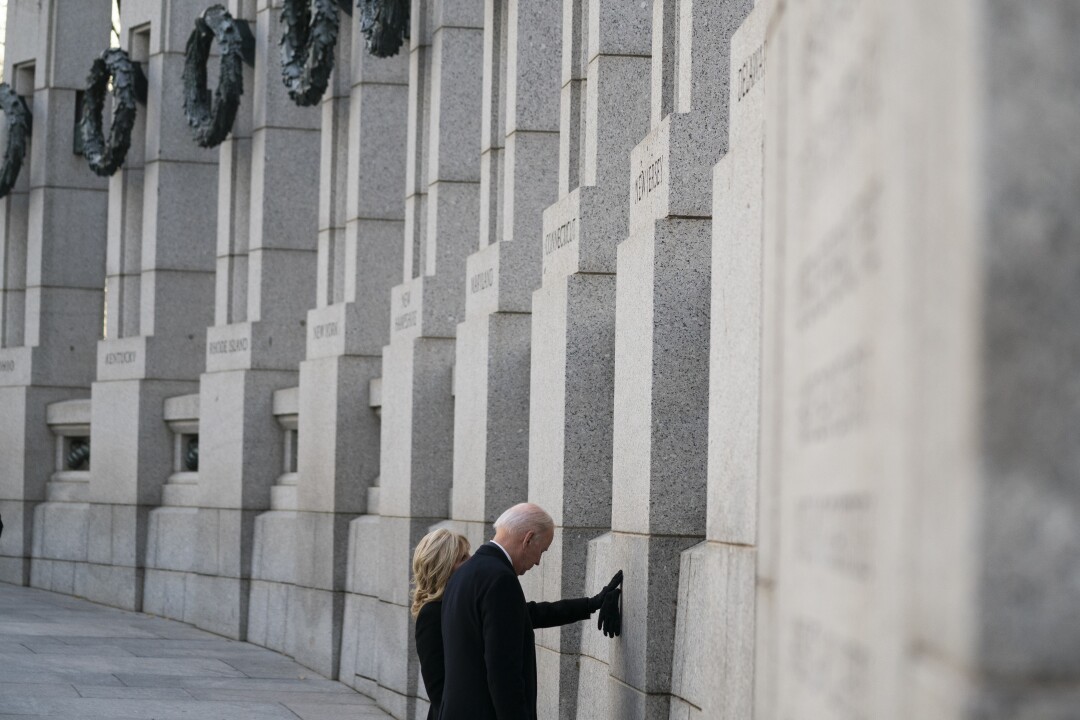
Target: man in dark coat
{"type": "Point", "coordinates": [488, 627]}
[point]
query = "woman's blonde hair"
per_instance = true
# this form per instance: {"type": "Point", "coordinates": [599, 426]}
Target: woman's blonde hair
{"type": "Point", "coordinates": [433, 560]}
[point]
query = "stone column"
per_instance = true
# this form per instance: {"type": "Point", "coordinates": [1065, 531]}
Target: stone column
{"type": "Point", "coordinates": [162, 223]}
{"type": "Point", "coordinates": [519, 178]}
{"type": "Point", "coordinates": [174, 526]}
{"type": "Point", "coordinates": [604, 111]}
{"type": "Point", "coordinates": [928, 518]}
{"type": "Point", "coordinates": [256, 344]}
{"type": "Point", "coordinates": [713, 656]}
{"type": "Point", "coordinates": [52, 258]}
{"type": "Point", "coordinates": [441, 227]}
{"type": "Point", "coordinates": [360, 260]}
{"type": "Point", "coordinates": [662, 341]}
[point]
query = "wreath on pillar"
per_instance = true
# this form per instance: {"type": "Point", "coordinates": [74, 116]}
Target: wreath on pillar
{"type": "Point", "coordinates": [385, 24]}
{"type": "Point", "coordinates": [211, 119]}
{"type": "Point", "coordinates": [104, 158]}
{"type": "Point", "coordinates": [307, 48]}
{"type": "Point", "coordinates": [18, 124]}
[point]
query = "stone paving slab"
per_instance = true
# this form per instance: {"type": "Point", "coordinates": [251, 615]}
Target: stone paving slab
{"type": "Point", "coordinates": [62, 657]}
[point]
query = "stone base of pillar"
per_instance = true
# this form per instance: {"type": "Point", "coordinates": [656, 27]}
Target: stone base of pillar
{"type": "Point", "coordinates": [16, 542]}
{"type": "Point", "coordinates": [713, 661]}
{"type": "Point", "coordinates": [594, 684]}
{"type": "Point", "coordinates": [641, 660]}
{"type": "Point", "coordinates": [273, 576]}
{"type": "Point", "coordinates": [90, 550]}
{"type": "Point", "coordinates": [24, 441]}
{"type": "Point", "coordinates": [217, 591]}
{"type": "Point", "coordinates": [359, 663]}
{"type": "Point", "coordinates": [170, 555]}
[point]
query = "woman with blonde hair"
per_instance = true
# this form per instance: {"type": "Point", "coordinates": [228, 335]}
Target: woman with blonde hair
{"type": "Point", "coordinates": [437, 556]}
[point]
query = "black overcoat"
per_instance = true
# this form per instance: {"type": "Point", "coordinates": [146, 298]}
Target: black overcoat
{"type": "Point", "coordinates": [488, 642]}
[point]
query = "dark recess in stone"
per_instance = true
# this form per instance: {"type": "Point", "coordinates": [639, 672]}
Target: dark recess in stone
{"type": "Point", "coordinates": [385, 24]}
{"type": "Point", "coordinates": [128, 84]}
{"type": "Point", "coordinates": [78, 457]}
{"type": "Point", "coordinates": [19, 127]}
{"type": "Point", "coordinates": [307, 48]}
{"type": "Point", "coordinates": [191, 455]}
{"type": "Point", "coordinates": [211, 117]}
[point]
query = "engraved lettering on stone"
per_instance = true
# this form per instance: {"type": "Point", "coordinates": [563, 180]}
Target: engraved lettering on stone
{"type": "Point", "coordinates": [325, 330]}
{"type": "Point", "coordinates": [835, 667]}
{"type": "Point", "coordinates": [751, 72]}
{"type": "Point", "coordinates": [832, 400]}
{"type": "Point", "coordinates": [7, 366]}
{"type": "Point", "coordinates": [649, 179]}
{"type": "Point", "coordinates": [848, 254]}
{"type": "Point", "coordinates": [120, 358]}
{"type": "Point", "coordinates": [561, 236]}
{"type": "Point", "coordinates": [834, 532]}
{"type": "Point", "coordinates": [224, 347]}
{"type": "Point", "coordinates": [482, 280]}
{"type": "Point", "coordinates": [405, 320]}
{"type": "Point", "coordinates": [835, 134]}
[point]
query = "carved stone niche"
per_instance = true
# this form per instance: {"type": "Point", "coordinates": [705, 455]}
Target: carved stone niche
{"type": "Point", "coordinates": [287, 414]}
{"type": "Point", "coordinates": [69, 422]}
{"type": "Point", "coordinates": [182, 417]}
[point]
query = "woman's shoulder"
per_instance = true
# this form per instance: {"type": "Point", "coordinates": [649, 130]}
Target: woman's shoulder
{"type": "Point", "coordinates": [430, 610]}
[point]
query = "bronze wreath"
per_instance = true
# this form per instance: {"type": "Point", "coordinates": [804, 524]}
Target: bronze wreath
{"type": "Point", "coordinates": [19, 126]}
{"type": "Point", "coordinates": [104, 159]}
{"type": "Point", "coordinates": [307, 48]}
{"type": "Point", "coordinates": [385, 24]}
{"type": "Point", "coordinates": [211, 121]}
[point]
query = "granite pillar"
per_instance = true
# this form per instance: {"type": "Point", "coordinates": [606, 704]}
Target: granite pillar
{"type": "Point", "coordinates": [712, 674]}
{"type": "Point", "coordinates": [604, 112]}
{"type": "Point", "coordinates": [519, 178]}
{"type": "Point", "coordinates": [52, 260]}
{"type": "Point", "coordinates": [359, 263]}
{"type": "Point", "coordinates": [441, 226]}
{"type": "Point", "coordinates": [256, 342]}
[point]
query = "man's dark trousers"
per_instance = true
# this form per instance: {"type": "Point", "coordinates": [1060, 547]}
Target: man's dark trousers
{"type": "Point", "coordinates": [488, 639]}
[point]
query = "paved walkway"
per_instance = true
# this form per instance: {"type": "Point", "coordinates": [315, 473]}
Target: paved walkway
{"type": "Point", "coordinates": [61, 657]}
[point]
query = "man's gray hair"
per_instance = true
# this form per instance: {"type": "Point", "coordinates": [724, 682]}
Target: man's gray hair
{"type": "Point", "coordinates": [524, 517]}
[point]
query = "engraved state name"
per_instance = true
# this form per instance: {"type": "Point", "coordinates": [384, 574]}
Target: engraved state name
{"type": "Point", "coordinates": [650, 178]}
{"type": "Point", "coordinates": [751, 72]}
{"type": "Point", "coordinates": [561, 236]}
{"type": "Point", "coordinates": [125, 357]}
{"type": "Point", "coordinates": [224, 347]}
{"type": "Point", "coordinates": [482, 280]}
{"type": "Point", "coordinates": [325, 330]}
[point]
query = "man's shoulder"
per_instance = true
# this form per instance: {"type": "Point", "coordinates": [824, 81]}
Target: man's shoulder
{"type": "Point", "coordinates": [481, 569]}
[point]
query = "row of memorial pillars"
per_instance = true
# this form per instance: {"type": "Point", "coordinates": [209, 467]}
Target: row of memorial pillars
{"type": "Point", "coordinates": [52, 257]}
{"type": "Point", "coordinates": [442, 198]}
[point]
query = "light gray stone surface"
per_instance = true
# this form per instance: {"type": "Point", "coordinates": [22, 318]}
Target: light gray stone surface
{"type": "Point", "coordinates": [64, 657]}
{"type": "Point", "coordinates": [52, 242]}
{"type": "Point", "coordinates": [518, 179]}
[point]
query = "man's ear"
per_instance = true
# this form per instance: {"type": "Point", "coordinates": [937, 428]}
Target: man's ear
{"type": "Point", "coordinates": [529, 537]}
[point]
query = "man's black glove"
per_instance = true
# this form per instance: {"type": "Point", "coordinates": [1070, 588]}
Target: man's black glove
{"type": "Point", "coordinates": [610, 619]}
{"type": "Point", "coordinates": [607, 601]}
{"type": "Point", "coordinates": [597, 600]}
